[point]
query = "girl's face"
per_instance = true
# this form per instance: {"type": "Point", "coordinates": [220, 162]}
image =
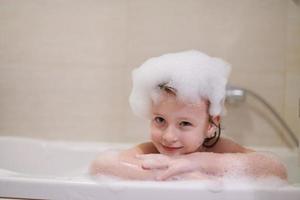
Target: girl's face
{"type": "Point", "coordinates": [177, 127]}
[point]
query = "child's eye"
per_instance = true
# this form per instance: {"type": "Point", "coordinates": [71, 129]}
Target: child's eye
{"type": "Point", "coordinates": [159, 120]}
{"type": "Point", "coordinates": [185, 123]}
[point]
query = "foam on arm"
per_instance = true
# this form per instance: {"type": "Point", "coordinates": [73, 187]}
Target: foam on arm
{"type": "Point", "coordinates": [122, 164]}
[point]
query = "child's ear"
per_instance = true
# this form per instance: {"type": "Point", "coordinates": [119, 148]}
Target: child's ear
{"type": "Point", "coordinates": [213, 125]}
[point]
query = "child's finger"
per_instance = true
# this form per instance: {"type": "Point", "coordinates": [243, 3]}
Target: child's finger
{"type": "Point", "coordinates": [159, 157]}
{"type": "Point", "coordinates": [153, 164]}
{"type": "Point", "coordinates": [167, 174]}
{"type": "Point", "coordinates": [143, 156]}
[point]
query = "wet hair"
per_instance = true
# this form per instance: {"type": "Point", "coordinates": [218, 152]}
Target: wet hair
{"type": "Point", "coordinates": [208, 142]}
{"type": "Point", "coordinates": [212, 141]}
{"type": "Point", "coordinates": [167, 89]}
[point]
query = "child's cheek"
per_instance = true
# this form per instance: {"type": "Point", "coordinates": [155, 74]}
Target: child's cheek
{"type": "Point", "coordinates": [192, 141]}
{"type": "Point", "coordinates": [155, 132]}
{"type": "Point", "coordinates": [155, 136]}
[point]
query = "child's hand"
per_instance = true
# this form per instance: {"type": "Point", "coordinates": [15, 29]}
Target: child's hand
{"type": "Point", "coordinates": [169, 167]}
{"type": "Point", "coordinates": [154, 161]}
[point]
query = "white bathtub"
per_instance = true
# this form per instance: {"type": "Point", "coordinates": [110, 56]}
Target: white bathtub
{"type": "Point", "coordinates": [39, 169]}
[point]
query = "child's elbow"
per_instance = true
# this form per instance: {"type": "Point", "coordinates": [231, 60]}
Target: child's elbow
{"type": "Point", "coordinates": [95, 167]}
{"type": "Point", "coordinates": [281, 171]}
{"type": "Point", "coordinates": [270, 166]}
{"type": "Point", "coordinates": [103, 164]}
{"type": "Point", "coordinates": [278, 168]}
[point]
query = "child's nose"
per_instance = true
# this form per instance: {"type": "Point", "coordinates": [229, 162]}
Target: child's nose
{"type": "Point", "coordinates": [170, 135]}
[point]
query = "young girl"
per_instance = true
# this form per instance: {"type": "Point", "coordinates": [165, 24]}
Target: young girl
{"type": "Point", "coordinates": [183, 96]}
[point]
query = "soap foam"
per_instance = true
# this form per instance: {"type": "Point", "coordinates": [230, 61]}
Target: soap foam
{"type": "Point", "coordinates": [234, 179]}
{"type": "Point", "coordinates": [213, 184]}
{"type": "Point", "coordinates": [193, 74]}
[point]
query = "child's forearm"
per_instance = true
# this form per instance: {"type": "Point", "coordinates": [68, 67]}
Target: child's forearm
{"type": "Point", "coordinates": [249, 164]}
{"type": "Point", "coordinates": [115, 165]}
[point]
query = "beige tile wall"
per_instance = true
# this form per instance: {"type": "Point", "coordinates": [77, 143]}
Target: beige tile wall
{"type": "Point", "coordinates": [65, 65]}
{"type": "Point", "coordinates": [292, 84]}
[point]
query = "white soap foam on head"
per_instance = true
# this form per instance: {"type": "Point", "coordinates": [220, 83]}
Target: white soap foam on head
{"type": "Point", "coordinates": [194, 76]}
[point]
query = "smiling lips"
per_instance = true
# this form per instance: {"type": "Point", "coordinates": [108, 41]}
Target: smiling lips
{"type": "Point", "coordinates": [168, 148]}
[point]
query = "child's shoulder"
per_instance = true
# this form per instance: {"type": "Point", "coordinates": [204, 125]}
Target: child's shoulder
{"type": "Point", "coordinates": [146, 148]}
{"type": "Point", "coordinates": [226, 145]}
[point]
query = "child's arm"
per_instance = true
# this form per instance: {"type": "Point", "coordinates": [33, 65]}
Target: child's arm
{"type": "Point", "coordinates": [226, 158]}
{"type": "Point", "coordinates": [232, 156]}
{"type": "Point", "coordinates": [241, 164]}
{"type": "Point", "coordinates": [123, 164]}
{"type": "Point", "coordinates": [249, 162]}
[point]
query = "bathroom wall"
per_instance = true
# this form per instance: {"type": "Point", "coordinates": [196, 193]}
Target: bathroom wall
{"type": "Point", "coordinates": [65, 66]}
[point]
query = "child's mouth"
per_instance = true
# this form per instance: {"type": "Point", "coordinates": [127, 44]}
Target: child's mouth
{"type": "Point", "coordinates": [169, 148]}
